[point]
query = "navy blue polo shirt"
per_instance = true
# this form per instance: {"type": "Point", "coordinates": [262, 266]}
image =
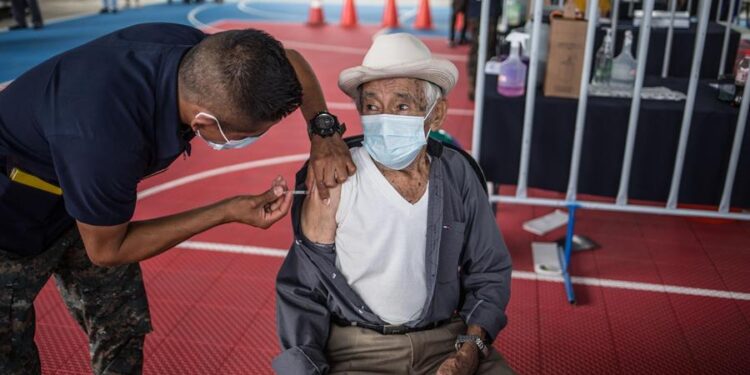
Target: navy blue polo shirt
{"type": "Point", "coordinates": [94, 120]}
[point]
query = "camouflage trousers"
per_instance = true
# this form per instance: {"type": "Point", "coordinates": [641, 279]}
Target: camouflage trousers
{"type": "Point", "coordinates": [109, 304]}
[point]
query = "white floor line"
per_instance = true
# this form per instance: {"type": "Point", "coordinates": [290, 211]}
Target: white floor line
{"type": "Point", "coordinates": [243, 6]}
{"type": "Point", "coordinates": [227, 248]}
{"type": "Point", "coordinates": [633, 285]}
{"type": "Point", "coordinates": [219, 171]}
{"type": "Point", "coordinates": [521, 275]}
{"type": "Point", "coordinates": [192, 17]}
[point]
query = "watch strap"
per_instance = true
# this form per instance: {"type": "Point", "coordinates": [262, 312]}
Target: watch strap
{"type": "Point", "coordinates": [484, 349]}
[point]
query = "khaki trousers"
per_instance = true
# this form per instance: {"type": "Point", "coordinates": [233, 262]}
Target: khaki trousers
{"type": "Point", "coordinates": [356, 350]}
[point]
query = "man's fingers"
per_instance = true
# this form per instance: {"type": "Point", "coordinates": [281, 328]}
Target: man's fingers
{"type": "Point", "coordinates": [342, 174]}
{"type": "Point", "coordinates": [448, 367]}
{"type": "Point", "coordinates": [286, 203]}
{"type": "Point", "coordinates": [330, 179]}
{"type": "Point", "coordinates": [283, 208]}
{"type": "Point", "coordinates": [270, 196]}
{"type": "Point", "coordinates": [323, 192]}
{"type": "Point", "coordinates": [351, 169]}
{"type": "Point", "coordinates": [310, 179]}
{"type": "Point", "coordinates": [275, 205]}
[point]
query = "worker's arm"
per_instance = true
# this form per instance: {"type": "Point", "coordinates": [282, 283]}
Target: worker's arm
{"type": "Point", "coordinates": [330, 161]}
{"type": "Point", "coordinates": [139, 240]}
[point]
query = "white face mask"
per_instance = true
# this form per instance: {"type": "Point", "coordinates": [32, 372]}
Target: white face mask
{"type": "Point", "coordinates": [229, 144]}
{"type": "Point", "coordinates": [395, 140]}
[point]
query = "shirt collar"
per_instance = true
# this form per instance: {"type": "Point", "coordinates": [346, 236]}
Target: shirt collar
{"type": "Point", "coordinates": [172, 136]}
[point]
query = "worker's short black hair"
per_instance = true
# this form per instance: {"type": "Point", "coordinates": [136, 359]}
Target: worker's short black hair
{"type": "Point", "coordinates": [242, 75]}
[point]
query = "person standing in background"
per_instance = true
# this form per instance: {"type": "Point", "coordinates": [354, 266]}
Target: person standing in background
{"type": "Point", "coordinates": [109, 6]}
{"type": "Point", "coordinates": [458, 7]}
{"type": "Point", "coordinates": [19, 14]}
{"type": "Point", "coordinates": [473, 11]}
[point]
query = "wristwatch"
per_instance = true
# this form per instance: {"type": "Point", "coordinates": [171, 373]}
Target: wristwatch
{"type": "Point", "coordinates": [484, 350]}
{"type": "Point", "coordinates": [325, 125]}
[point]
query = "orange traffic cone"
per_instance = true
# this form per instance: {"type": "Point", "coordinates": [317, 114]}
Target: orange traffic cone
{"type": "Point", "coordinates": [349, 14]}
{"type": "Point", "coordinates": [424, 18]}
{"type": "Point", "coordinates": [390, 14]}
{"type": "Point", "coordinates": [316, 14]}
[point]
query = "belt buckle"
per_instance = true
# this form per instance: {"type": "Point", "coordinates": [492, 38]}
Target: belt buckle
{"type": "Point", "coordinates": [394, 329]}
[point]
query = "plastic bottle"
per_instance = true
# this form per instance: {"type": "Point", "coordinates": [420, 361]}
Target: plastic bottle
{"type": "Point", "coordinates": [512, 78]}
{"type": "Point", "coordinates": [514, 12]}
{"type": "Point", "coordinates": [624, 66]}
{"type": "Point", "coordinates": [603, 64]}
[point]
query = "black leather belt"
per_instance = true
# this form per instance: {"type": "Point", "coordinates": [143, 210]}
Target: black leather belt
{"type": "Point", "coordinates": [388, 329]}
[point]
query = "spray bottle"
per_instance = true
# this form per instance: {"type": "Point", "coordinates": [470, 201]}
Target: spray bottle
{"type": "Point", "coordinates": [511, 81]}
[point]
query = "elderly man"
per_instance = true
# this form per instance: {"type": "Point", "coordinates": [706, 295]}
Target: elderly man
{"type": "Point", "coordinates": [403, 269]}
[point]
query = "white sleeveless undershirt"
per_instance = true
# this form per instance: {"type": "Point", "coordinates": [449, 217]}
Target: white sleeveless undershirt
{"type": "Point", "coordinates": [380, 243]}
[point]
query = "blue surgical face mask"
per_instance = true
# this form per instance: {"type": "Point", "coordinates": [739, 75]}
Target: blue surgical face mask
{"type": "Point", "coordinates": [230, 143]}
{"type": "Point", "coordinates": [394, 140]}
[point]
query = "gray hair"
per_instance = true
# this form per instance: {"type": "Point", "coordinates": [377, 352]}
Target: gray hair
{"type": "Point", "coordinates": [432, 94]}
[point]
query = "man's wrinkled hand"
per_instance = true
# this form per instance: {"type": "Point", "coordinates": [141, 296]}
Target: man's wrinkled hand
{"type": "Point", "coordinates": [464, 362]}
{"type": "Point", "coordinates": [330, 164]}
{"type": "Point", "coordinates": [263, 210]}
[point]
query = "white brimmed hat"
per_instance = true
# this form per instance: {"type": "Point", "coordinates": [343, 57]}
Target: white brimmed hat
{"type": "Point", "coordinates": [399, 55]}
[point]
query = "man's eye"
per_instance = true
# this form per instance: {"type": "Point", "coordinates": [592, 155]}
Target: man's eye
{"type": "Point", "coordinates": [403, 107]}
{"type": "Point", "coordinates": [371, 107]}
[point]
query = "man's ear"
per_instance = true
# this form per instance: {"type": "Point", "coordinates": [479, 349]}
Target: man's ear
{"type": "Point", "coordinates": [438, 115]}
{"type": "Point", "coordinates": [200, 123]}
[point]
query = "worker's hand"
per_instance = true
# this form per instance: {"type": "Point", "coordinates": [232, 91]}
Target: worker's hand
{"type": "Point", "coordinates": [330, 164]}
{"type": "Point", "coordinates": [319, 216]}
{"type": "Point", "coordinates": [263, 210]}
{"type": "Point", "coordinates": [464, 362]}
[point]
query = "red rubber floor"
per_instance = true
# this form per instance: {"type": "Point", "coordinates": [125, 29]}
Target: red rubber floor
{"type": "Point", "coordinates": [213, 312]}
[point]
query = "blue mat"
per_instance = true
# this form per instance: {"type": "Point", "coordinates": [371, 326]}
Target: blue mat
{"type": "Point", "coordinates": [21, 50]}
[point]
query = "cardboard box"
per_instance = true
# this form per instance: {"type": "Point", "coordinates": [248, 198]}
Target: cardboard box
{"type": "Point", "coordinates": [567, 40]}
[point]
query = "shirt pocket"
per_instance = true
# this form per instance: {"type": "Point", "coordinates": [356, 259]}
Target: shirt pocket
{"type": "Point", "coordinates": [451, 247]}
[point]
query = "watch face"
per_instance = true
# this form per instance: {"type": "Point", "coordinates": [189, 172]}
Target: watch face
{"type": "Point", "coordinates": [325, 122]}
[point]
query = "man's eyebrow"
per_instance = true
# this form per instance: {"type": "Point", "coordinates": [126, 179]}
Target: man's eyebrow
{"type": "Point", "coordinates": [405, 96]}
{"type": "Point", "coordinates": [369, 94]}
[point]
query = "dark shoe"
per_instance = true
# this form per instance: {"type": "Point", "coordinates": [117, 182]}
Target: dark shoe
{"type": "Point", "coordinates": [114, 11]}
{"type": "Point", "coordinates": [17, 27]}
{"type": "Point", "coordinates": [463, 41]}
{"type": "Point", "coordinates": [38, 26]}
{"type": "Point", "coordinates": [103, 11]}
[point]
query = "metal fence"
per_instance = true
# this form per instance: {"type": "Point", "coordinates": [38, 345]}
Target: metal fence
{"type": "Point", "coordinates": [621, 204]}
